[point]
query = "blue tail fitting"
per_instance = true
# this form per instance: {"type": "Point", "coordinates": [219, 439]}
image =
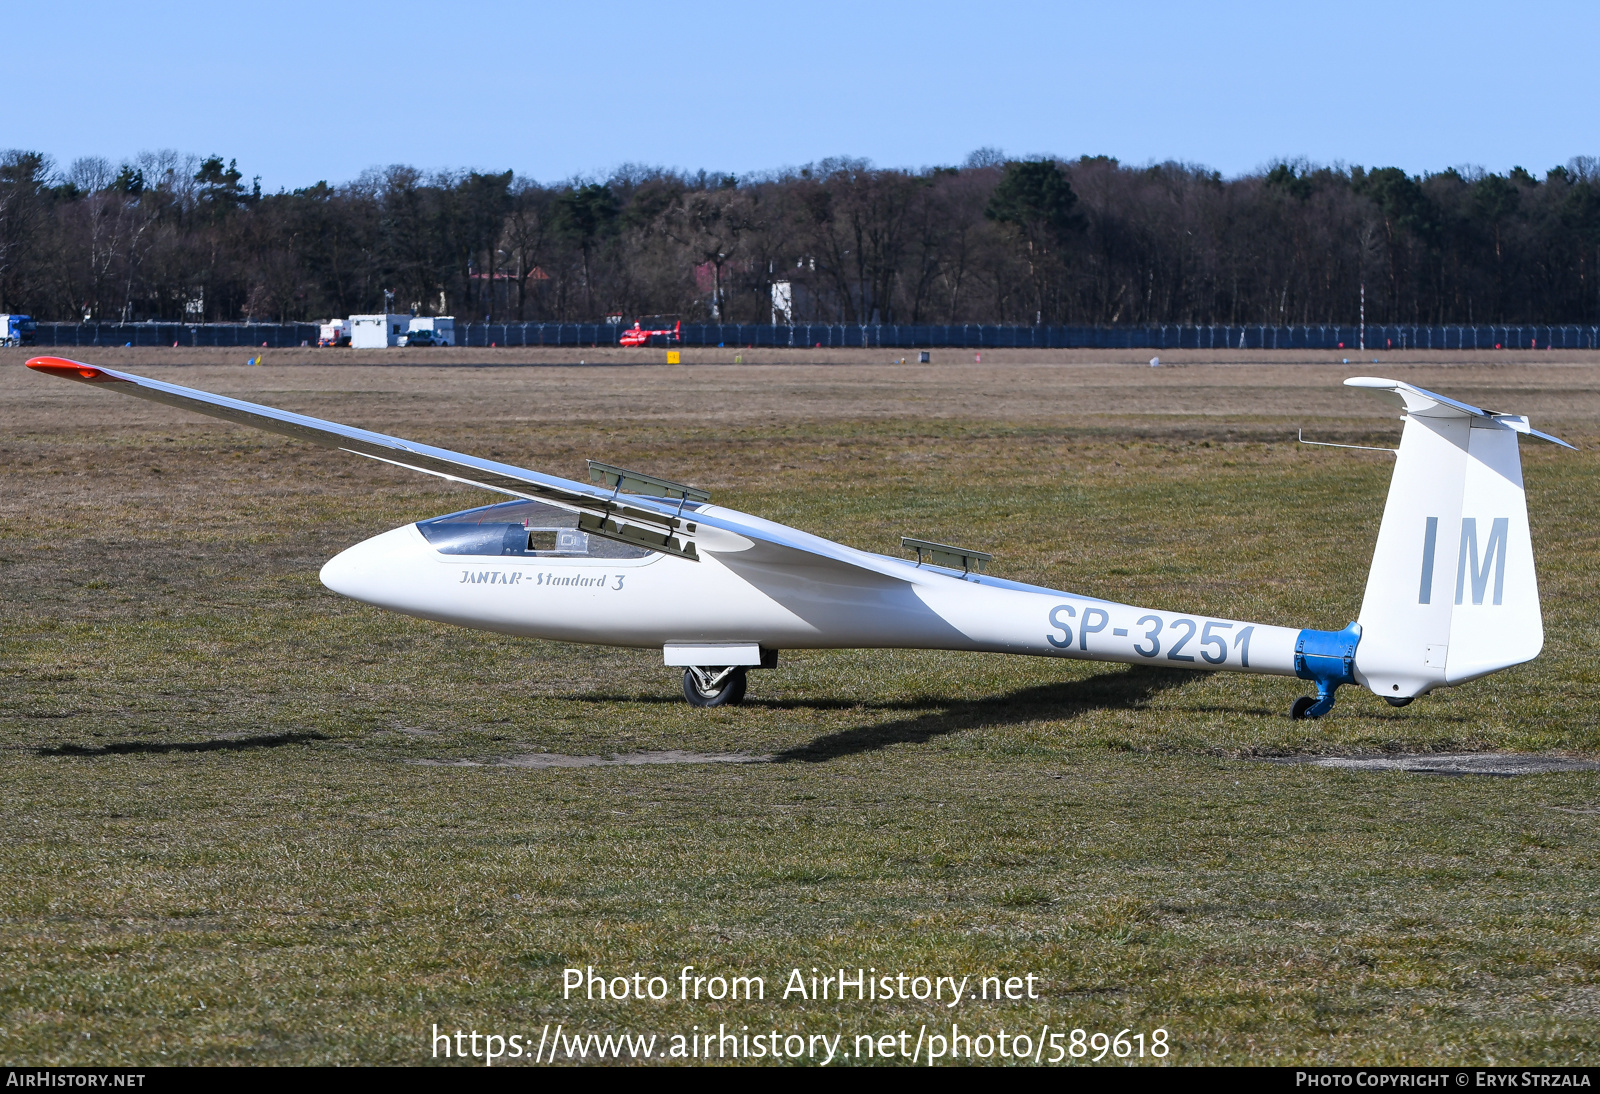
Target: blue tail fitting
{"type": "Point", "coordinates": [1329, 658]}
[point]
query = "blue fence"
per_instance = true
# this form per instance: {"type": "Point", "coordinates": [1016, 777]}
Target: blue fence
{"type": "Point", "coordinates": [273, 335]}
{"type": "Point", "coordinates": [1171, 336]}
{"type": "Point", "coordinates": [994, 336]}
{"type": "Point", "coordinates": [872, 336]}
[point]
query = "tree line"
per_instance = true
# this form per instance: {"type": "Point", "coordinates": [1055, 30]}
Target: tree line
{"type": "Point", "coordinates": [1086, 241]}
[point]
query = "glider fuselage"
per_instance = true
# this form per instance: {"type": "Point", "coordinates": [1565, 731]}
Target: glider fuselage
{"type": "Point", "coordinates": [731, 597]}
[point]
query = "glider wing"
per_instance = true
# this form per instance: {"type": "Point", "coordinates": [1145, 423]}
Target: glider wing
{"type": "Point", "coordinates": [672, 525]}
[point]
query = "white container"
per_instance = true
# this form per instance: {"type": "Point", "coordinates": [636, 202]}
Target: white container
{"type": "Point", "coordinates": [377, 331]}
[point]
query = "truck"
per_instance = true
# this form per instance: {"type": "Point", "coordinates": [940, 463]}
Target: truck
{"type": "Point", "coordinates": [17, 330]}
{"type": "Point", "coordinates": [335, 332]}
{"type": "Point", "coordinates": [430, 330]}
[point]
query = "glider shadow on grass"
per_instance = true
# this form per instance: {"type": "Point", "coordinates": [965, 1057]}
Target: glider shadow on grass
{"type": "Point", "coordinates": [217, 744]}
{"type": "Point", "coordinates": [1127, 690]}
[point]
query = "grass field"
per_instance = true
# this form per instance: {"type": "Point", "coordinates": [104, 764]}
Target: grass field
{"type": "Point", "coordinates": [219, 846]}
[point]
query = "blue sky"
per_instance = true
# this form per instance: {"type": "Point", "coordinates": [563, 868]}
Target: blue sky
{"type": "Point", "coordinates": [299, 92]}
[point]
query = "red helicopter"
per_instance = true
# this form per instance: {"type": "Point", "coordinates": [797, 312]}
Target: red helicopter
{"type": "Point", "coordinates": [653, 326]}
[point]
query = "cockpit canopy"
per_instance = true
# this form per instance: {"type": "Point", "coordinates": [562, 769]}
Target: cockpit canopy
{"type": "Point", "coordinates": [528, 528]}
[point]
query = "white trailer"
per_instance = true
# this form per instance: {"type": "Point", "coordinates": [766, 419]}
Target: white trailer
{"type": "Point", "coordinates": [377, 331]}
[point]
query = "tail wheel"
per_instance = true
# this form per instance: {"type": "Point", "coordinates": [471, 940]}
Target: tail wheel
{"type": "Point", "coordinates": [1301, 706]}
{"type": "Point", "coordinates": [714, 687]}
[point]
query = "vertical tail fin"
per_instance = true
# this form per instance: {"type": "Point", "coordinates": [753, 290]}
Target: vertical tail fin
{"type": "Point", "coordinates": [1452, 594]}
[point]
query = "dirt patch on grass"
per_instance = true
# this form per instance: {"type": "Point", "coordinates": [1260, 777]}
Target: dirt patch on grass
{"type": "Point", "coordinates": [1502, 764]}
{"type": "Point", "coordinates": [628, 759]}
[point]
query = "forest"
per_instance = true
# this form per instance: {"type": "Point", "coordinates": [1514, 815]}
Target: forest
{"type": "Point", "coordinates": [1091, 241]}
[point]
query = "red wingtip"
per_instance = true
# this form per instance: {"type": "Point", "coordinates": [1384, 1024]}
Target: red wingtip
{"type": "Point", "coordinates": [73, 370]}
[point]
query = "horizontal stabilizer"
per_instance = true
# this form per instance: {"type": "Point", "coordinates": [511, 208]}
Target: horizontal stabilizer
{"type": "Point", "coordinates": [1430, 404]}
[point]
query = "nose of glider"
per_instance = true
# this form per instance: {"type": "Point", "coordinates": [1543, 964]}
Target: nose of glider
{"type": "Point", "coordinates": [370, 570]}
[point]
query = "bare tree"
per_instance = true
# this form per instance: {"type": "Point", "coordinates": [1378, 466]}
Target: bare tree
{"type": "Point", "coordinates": [526, 236]}
{"type": "Point", "coordinates": [1082, 241]}
{"type": "Point", "coordinates": [711, 225]}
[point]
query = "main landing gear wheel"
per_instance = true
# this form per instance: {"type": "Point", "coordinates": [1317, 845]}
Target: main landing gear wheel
{"type": "Point", "coordinates": [714, 687]}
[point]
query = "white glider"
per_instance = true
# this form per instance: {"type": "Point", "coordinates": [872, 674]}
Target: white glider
{"type": "Point", "coordinates": [633, 560]}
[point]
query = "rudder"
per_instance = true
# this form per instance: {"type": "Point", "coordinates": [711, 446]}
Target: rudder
{"type": "Point", "coordinates": [1452, 594]}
